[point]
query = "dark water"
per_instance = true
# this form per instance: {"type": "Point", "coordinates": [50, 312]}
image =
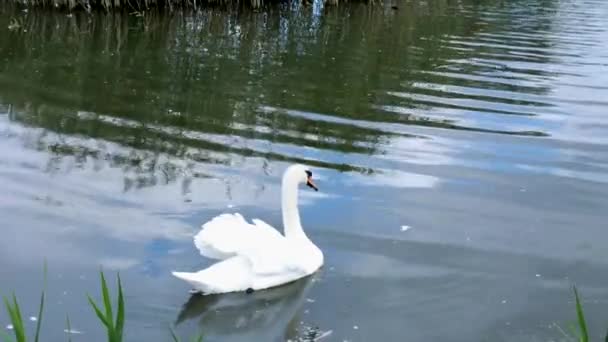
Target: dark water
{"type": "Point", "coordinates": [481, 125]}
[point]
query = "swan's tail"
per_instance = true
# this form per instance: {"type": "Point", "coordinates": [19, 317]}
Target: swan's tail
{"type": "Point", "coordinates": [194, 279]}
{"type": "Point", "coordinates": [233, 274]}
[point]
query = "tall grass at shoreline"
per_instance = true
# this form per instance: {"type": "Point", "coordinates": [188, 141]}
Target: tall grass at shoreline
{"type": "Point", "coordinates": [140, 6]}
{"type": "Point", "coordinates": [14, 312]}
{"type": "Point", "coordinates": [114, 326]}
{"type": "Point", "coordinates": [127, 5]}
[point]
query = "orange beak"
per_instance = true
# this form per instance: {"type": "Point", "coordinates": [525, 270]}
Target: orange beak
{"type": "Point", "coordinates": [311, 184]}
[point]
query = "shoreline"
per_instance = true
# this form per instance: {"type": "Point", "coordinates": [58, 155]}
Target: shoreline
{"type": "Point", "coordinates": [142, 6]}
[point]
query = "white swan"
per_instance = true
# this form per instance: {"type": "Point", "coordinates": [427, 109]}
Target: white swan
{"type": "Point", "coordinates": [256, 256]}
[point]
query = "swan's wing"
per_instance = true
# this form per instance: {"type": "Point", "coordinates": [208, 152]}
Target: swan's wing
{"type": "Point", "coordinates": [229, 234]}
{"type": "Point", "coordinates": [268, 252]}
{"type": "Point", "coordinates": [270, 258]}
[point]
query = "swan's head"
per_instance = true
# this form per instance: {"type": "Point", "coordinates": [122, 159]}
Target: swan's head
{"type": "Point", "coordinates": [302, 174]}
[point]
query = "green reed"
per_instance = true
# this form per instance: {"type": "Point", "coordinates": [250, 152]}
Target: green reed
{"type": "Point", "coordinates": [114, 325]}
{"type": "Point", "coordinates": [133, 6]}
{"type": "Point", "coordinates": [582, 325]}
{"type": "Point", "coordinates": [583, 334]}
{"type": "Point", "coordinates": [14, 313]}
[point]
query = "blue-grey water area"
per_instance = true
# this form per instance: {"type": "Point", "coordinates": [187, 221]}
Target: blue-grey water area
{"type": "Point", "coordinates": [460, 148]}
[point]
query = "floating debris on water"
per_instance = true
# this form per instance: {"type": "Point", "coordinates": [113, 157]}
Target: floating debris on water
{"type": "Point", "coordinates": [33, 318]}
{"type": "Point", "coordinates": [230, 206]}
{"type": "Point", "coordinates": [72, 331]}
{"type": "Point", "coordinates": [9, 327]}
{"type": "Point", "coordinates": [537, 275]}
{"type": "Point", "coordinates": [405, 228]}
{"type": "Point", "coordinates": [324, 335]}
{"type": "Point", "coordinates": [311, 334]}
{"type": "Point", "coordinates": [504, 301]}
{"type": "Point", "coordinates": [356, 327]}
{"type": "Point", "coordinates": [310, 300]}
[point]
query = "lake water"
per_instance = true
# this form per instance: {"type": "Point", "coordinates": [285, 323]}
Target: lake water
{"type": "Point", "coordinates": [461, 149]}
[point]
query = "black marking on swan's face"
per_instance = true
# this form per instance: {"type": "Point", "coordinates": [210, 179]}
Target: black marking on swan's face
{"type": "Point", "coordinates": [309, 182]}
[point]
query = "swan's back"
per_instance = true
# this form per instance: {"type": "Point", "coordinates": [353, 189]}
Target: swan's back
{"type": "Point", "coordinates": [228, 234]}
{"type": "Point", "coordinates": [254, 256]}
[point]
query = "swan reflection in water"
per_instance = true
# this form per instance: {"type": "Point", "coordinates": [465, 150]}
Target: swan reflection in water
{"type": "Point", "coordinates": [267, 315]}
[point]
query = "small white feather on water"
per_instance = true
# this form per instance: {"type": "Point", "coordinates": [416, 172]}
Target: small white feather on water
{"type": "Point", "coordinates": [72, 331]}
{"type": "Point", "coordinates": [324, 335]}
{"type": "Point", "coordinates": [33, 318]}
{"type": "Point", "coordinates": [405, 228]}
{"type": "Point", "coordinates": [9, 327]}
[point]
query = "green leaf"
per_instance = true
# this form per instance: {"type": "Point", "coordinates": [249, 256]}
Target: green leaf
{"type": "Point", "coordinates": [19, 336]}
{"type": "Point", "coordinates": [100, 314]}
{"type": "Point", "coordinates": [39, 321]}
{"type": "Point", "coordinates": [18, 321]}
{"type": "Point", "coordinates": [120, 314]}
{"type": "Point", "coordinates": [69, 327]}
{"type": "Point", "coordinates": [581, 318]}
{"type": "Point", "coordinates": [41, 307]}
{"type": "Point", "coordinates": [106, 301]}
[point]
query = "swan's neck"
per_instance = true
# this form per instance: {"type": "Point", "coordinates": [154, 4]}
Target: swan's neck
{"type": "Point", "coordinates": [289, 204]}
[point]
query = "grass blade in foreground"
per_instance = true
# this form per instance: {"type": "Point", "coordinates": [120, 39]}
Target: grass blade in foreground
{"type": "Point", "coordinates": [114, 331]}
{"type": "Point", "coordinates": [41, 307]}
{"type": "Point", "coordinates": [584, 336]}
{"type": "Point", "coordinates": [69, 328]}
{"type": "Point", "coordinates": [120, 314]}
{"type": "Point", "coordinates": [16, 319]}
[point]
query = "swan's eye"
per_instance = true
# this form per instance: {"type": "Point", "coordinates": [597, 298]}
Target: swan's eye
{"type": "Point", "coordinates": [309, 174]}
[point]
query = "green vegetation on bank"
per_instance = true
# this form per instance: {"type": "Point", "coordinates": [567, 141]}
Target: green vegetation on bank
{"type": "Point", "coordinates": [128, 5]}
{"type": "Point", "coordinates": [139, 6]}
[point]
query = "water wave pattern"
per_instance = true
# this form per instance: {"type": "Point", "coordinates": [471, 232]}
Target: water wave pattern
{"type": "Point", "coordinates": [413, 92]}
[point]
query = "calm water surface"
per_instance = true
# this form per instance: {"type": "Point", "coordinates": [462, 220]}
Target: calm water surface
{"type": "Point", "coordinates": [481, 125]}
